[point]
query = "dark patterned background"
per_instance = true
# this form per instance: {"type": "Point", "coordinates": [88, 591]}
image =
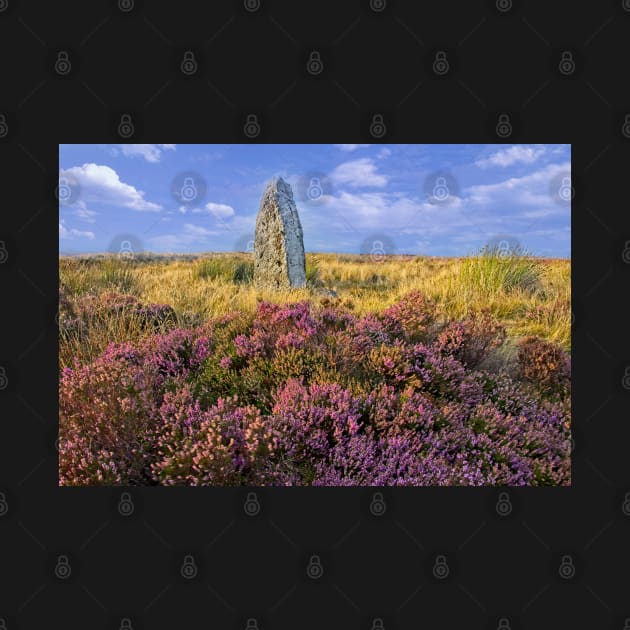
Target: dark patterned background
{"type": "Point", "coordinates": [425, 557]}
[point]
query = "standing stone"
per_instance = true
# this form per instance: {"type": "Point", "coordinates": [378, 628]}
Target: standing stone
{"type": "Point", "coordinates": [279, 261]}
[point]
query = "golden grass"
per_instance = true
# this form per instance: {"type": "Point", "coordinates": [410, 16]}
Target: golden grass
{"type": "Point", "coordinates": [530, 296]}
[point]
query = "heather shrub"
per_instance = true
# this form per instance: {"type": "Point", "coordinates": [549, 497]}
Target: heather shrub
{"type": "Point", "coordinates": [296, 394]}
{"type": "Point", "coordinates": [472, 339]}
{"type": "Point", "coordinates": [218, 378]}
{"type": "Point", "coordinates": [224, 445]}
{"type": "Point", "coordinates": [391, 413]}
{"type": "Point", "coordinates": [108, 409]}
{"type": "Point", "coordinates": [106, 413]}
{"type": "Point", "coordinates": [411, 316]}
{"type": "Point", "coordinates": [309, 420]}
{"type": "Point", "coordinates": [544, 364]}
{"type": "Point", "coordinates": [276, 327]}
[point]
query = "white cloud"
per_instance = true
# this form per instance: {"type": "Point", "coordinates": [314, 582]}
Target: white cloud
{"type": "Point", "coordinates": [67, 234]}
{"type": "Point", "coordinates": [191, 235]}
{"type": "Point", "coordinates": [197, 231]}
{"type": "Point", "coordinates": [219, 210]}
{"type": "Point", "coordinates": [357, 173]}
{"type": "Point", "coordinates": [150, 152]}
{"type": "Point", "coordinates": [79, 209]}
{"type": "Point", "coordinates": [530, 190]}
{"type": "Point", "coordinates": [512, 155]}
{"type": "Point", "coordinates": [544, 213]}
{"type": "Point", "coordinates": [381, 212]}
{"type": "Point", "coordinates": [101, 184]}
{"type": "Point", "coordinates": [511, 206]}
{"type": "Point", "coordinates": [348, 148]}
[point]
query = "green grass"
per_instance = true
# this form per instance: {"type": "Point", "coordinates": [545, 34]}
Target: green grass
{"type": "Point", "coordinates": [490, 274]}
{"type": "Point", "coordinates": [312, 271]}
{"type": "Point", "coordinates": [530, 296]}
{"type": "Point", "coordinates": [224, 268]}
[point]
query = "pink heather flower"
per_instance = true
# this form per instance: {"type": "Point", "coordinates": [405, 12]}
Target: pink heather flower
{"type": "Point", "coordinates": [299, 396]}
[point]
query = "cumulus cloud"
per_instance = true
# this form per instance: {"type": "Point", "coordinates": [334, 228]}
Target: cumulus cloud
{"type": "Point", "coordinates": [514, 205]}
{"type": "Point", "coordinates": [349, 148]}
{"type": "Point", "coordinates": [80, 210]}
{"type": "Point", "coordinates": [197, 231]}
{"type": "Point", "coordinates": [150, 152]}
{"type": "Point", "coordinates": [512, 155]}
{"type": "Point", "coordinates": [530, 190]}
{"type": "Point", "coordinates": [358, 173]}
{"type": "Point", "coordinates": [68, 234]}
{"type": "Point", "coordinates": [219, 210]}
{"type": "Point", "coordinates": [101, 184]}
{"type": "Point", "coordinates": [191, 235]}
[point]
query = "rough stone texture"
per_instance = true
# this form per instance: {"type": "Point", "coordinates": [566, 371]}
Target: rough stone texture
{"type": "Point", "coordinates": [279, 261]}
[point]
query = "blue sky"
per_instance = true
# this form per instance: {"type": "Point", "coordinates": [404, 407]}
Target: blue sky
{"type": "Point", "coordinates": [438, 200]}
